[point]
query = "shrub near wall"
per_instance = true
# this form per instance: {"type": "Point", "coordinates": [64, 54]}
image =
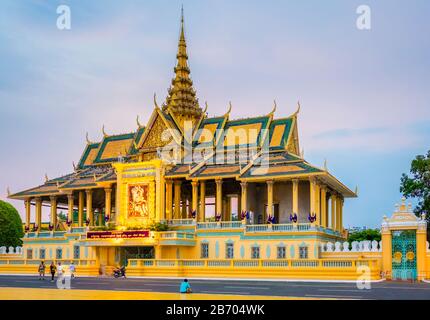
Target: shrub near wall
{"type": "Point", "coordinates": [11, 230]}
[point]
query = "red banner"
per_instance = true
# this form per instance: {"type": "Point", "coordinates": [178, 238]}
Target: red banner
{"type": "Point", "coordinates": [130, 234]}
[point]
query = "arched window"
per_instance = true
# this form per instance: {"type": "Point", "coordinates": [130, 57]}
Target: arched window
{"type": "Point", "coordinates": [281, 252]}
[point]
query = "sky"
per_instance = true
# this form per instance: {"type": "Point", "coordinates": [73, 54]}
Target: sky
{"type": "Point", "coordinates": [364, 94]}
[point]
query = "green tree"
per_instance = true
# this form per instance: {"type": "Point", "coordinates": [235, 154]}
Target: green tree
{"type": "Point", "coordinates": [62, 217]}
{"type": "Point", "coordinates": [369, 234]}
{"type": "Point", "coordinates": [416, 185]}
{"type": "Point", "coordinates": [11, 230]}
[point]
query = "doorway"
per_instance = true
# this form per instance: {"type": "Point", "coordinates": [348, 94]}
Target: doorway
{"type": "Point", "coordinates": [404, 255]}
{"type": "Point", "coordinates": [127, 253]}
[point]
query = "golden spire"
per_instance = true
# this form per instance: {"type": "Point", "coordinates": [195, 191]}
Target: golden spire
{"type": "Point", "coordinates": [181, 99]}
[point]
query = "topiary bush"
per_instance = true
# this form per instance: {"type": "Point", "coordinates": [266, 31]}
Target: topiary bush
{"type": "Point", "coordinates": [11, 230]}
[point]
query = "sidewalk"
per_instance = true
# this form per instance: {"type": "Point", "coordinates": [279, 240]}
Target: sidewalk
{"type": "Point", "coordinates": [56, 294]}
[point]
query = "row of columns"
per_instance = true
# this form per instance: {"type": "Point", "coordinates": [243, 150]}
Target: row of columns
{"type": "Point", "coordinates": [174, 208]}
{"type": "Point", "coordinates": [70, 205]}
{"type": "Point", "coordinates": [318, 201]}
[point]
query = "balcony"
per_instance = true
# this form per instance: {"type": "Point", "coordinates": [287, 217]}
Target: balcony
{"type": "Point", "coordinates": [175, 238]}
{"type": "Point", "coordinates": [288, 227]}
{"type": "Point", "coordinates": [219, 225]}
{"type": "Point", "coordinates": [181, 222]}
{"type": "Point", "coordinates": [251, 228]}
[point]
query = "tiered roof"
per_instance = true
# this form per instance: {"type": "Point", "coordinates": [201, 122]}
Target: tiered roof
{"type": "Point", "coordinates": [270, 148]}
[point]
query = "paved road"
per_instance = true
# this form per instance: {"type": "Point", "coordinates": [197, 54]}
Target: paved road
{"type": "Point", "coordinates": [381, 290]}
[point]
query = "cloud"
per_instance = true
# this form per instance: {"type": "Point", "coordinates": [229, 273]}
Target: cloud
{"type": "Point", "coordinates": [360, 92]}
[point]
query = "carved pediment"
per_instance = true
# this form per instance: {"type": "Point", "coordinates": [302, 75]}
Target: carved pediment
{"type": "Point", "coordinates": [158, 135]}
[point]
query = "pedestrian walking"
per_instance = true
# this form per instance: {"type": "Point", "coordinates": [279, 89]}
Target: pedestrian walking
{"type": "Point", "coordinates": [60, 270]}
{"type": "Point", "coordinates": [52, 269]}
{"type": "Point", "coordinates": [72, 270]}
{"type": "Point", "coordinates": [42, 268]}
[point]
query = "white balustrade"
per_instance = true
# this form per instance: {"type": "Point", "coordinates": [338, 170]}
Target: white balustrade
{"type": "Point", "coordinates": [374, 246]}
{"type": "Point", "coordinates": [11, 250]}
{"type": "Point", "coordinates": [346, 246]}
{"type": "Point", "coordinates": [3, 250]}
{"type": "Point", "coordinates": [366, 246]}
{"type": "Point", "coordinates": [355, 246]}
{"type": "Point", "coordinates": [362, 246]}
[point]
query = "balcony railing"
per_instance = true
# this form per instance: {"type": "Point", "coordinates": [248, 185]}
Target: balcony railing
{"type": "Point", "coordinates": [46, 234]}
{"type": "Point", "coordinates": [255, 228]}
{"type": "Point", "coordinates": [79, 230]}
{"type": "Point", "coordinates": [220, 225]}
{"type": "Point", "coordinates": [288, 227]}
{"type": "Point", "coordinates": [76, 262]}
{"type": "Point", "coordinates": [181, 222]}
{"type": "Point", "coordinates": [177, 235]}
{"type": "Point", "coordinates": [254, 263]}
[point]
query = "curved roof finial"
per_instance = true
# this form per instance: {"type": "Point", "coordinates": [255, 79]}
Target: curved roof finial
{"type": "Point", "coordinates": [8, 191]}
{"type": "Point", "coordinates": [46, 177]}
{"type": "Point", "coordinates": [206, 107]}
{"type": "Point", "coordinates": [325, 165]}
{"type": "Point", "coordinates": [298, 109]}
{"type": "Point", "coordinates": [104, 132]}
{"type": "Point", "coordinates": [356, 190]}
{"type": "Point", "coordinates": [137, 121]}
{"type": "Point", "coordinates": [88, 139]}
{"type": "Point", "coordinates": [230, 106]}
{"type": "Point", "coordinates": [274, 108]}
{"type": "Point", "coordinates": [155, 101]}
{"type": "Point", "coordinates": [74, 165]}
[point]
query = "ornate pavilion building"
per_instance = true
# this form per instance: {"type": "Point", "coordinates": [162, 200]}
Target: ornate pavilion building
{"type": "Point", "coordinates": [189, 186]}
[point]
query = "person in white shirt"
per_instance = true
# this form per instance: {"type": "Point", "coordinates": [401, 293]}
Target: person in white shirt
{"type": "Point", "coordinates": [60, 270]}
{"type": "Point", "coordinates": [251, 217]}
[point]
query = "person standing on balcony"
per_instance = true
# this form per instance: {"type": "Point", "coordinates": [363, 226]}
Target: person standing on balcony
{"type": "Point", "coordinates": [251, 217]}
{"type": "Point", "coordinates": [42, 268]}
{"type": "Point", "coordinates": [52, 269]}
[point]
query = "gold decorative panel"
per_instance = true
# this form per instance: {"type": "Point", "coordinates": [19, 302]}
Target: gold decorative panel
{"type": "Point", "coordinates": [138, 206]}
{"type": "Point", "coordinates": [278, 133]}
{"type": "Point", "coordinates": [243, 134]}
{"type": "Point", "coordinates": [115, 149]}
{"type": "Point", "coordinates": [91, 157]}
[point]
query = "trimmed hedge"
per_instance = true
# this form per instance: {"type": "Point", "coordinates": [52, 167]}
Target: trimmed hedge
{"type": "Point", "coordinates": [11, 230]}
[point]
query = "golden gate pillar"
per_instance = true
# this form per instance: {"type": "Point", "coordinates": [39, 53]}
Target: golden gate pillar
{"type": "Point", "coordinates": [404, 249]}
